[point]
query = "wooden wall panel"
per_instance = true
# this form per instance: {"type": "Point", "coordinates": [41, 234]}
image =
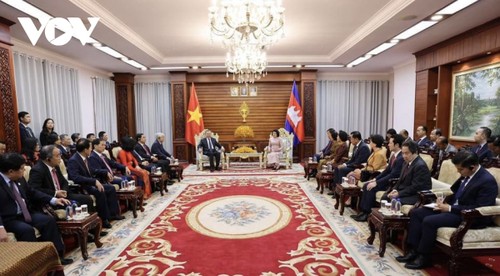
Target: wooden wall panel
{"type": "Point", "coordinates": [125, 104]}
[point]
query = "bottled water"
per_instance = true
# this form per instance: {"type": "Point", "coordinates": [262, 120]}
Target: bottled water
{"type": "Point", "coordinates": [398, 206]}
{"type": "Point", "coordinates": [393, 205]}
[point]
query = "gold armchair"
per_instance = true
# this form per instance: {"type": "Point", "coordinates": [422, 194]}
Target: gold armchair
{"type": "Point", "coordinates": [201, 159]}
{"type": "Point", "coordinates": [287, 151]}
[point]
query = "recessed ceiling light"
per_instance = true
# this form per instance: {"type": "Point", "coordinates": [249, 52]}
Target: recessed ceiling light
{"type": "Point", "coordinates": [298, 66]}
{"type": "Point", "coordinates": [459, 61]}
{"type": "Point", "coordinates": [324, 65]}
{"type": "Point", "coordinates": [437, 17]}
{"type": "Point", "coordinates": [359, 60]}
{"type": "Point", "coordinates": [488, 53]}
{"type": "Point", "coordinates": [169, 67]}
{"type": "Point", "coordinates": [382, 47]}
{"type": "Point", "coordinates": [110, 51]}
{"type": "Point", "coordinates": [456, 6]}
{"type": "Point", "coordinates": [195, 67]}
{"type": "Point", "coordinates": [415, 29]}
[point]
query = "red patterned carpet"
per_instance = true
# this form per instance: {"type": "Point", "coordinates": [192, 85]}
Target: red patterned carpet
{"type": "Point", "coordinates": [237, 227]}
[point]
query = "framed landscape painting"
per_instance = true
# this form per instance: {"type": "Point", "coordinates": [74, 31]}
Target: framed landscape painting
{"type": "Point", "coordinates": [475, 101]}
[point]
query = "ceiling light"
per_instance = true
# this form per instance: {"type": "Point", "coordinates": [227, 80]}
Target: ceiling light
{"type": "Point", "coordinates": [394, 41]}
{"type": "Point", "coordinates": [298, 66]}
{"type": "Point", "coordinates": [280, 66]}
{"type": "Point", "coordinates": [170, 68]}
{"type": "Point", "coordinates": [359, 60]}
{"type": "Point", "coordinates": [456, 6]}
{"type": "Point", "coordinates": [437, 17]}
{"type": "Point", "coordinates": [135, 64]}
{"type": "Point", "coordinates": [247, 63]}
{"type": "Point", "coordinates": [415, 29]}
{"type": "Point", "coordinates": [382, 47]}
{"type": "Point", "coordinates": [213, 67]}
{"type": "Point", "coordinates": [195, 67]}
{"type": "Point", "coordinates": [110, 51]}
{"type": "Point", "coordinates": [324, 66]}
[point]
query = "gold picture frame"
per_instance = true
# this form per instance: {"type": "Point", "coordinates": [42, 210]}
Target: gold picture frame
{"type": "Point", "coordinates": [244, 91]}
{"type": "Point", "coordinates": [253, 91]}
{"type": "Point", "coordinates": [235, 91]}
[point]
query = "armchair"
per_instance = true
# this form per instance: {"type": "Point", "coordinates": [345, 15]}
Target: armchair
{"type": "Point", "coordinates": [287, 145]}
{"type": "Point", "coordinates": [201, 159]}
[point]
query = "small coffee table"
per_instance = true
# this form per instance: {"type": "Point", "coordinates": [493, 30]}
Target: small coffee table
{"type": "Point", "coordinates": [383, 223]}
{"type": "Point", "coordinates": [323, 178]}
{"type": "Point", "coordinates": [134, 195]}
{"type": "Point", "coordinates": [342, 190]}
{"type": "Point", "coordinates": [81, 228]}
{"type": "Point", "coordinates": [178, 169]}
{"type": "Point", "coordinates": [309, 166]}
{"type": "Point", "coordinates": [159, 179]}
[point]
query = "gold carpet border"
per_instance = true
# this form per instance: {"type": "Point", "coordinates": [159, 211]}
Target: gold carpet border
{"type": "Point", "coordinates": [192, 219]}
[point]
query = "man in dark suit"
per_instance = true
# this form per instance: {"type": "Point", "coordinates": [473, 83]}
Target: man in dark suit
{"type": "Point", "coordinates": [360, 154]}
{"type": "Point", "coordinates": [79, 171]}
{"type": "Point", "coordinates": [405, 135]}
{"type": "Point", "coordinates": [17, 203]}
{"type": "Point", "coordinates": [64, 147]}
{"type": "Point", "coordinates": [481, 149]}
{"type": "Point", "coordinates": [435, 134]}
{"type": "Point", "coordinates": [158, 149]}
{"type": "Point", "coordinates": [46, 177]}
{"type": "Point", "coordinates": [475, 188]}
{"type": "Point", "coordinates": [144, 153]}
{"type": "Point", "coordinates": [415, 177]}
{"type": "Point", "coordinates": [422, 140]}
{"type": "Point", "coordinates": [105, 137]}
{"type": "Point", "coordinates": [103, 167]}
{"type": "Point", "coordinates": [211, 148]}
{"type": "Point", "coordinates": [24, 130]}
{"type": "Point", "coordinates": [381, 182]}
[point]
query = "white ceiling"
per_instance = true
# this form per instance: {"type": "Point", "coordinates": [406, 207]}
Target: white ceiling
{"type": "Point", "coordinates": [176, 33]}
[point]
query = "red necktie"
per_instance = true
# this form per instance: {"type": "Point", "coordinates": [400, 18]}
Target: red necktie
{"type": "Point", "coordinates": [106, 163]}
{"type": "Point", "coordinates": [56, 179]}
{"type": "Point", "coordinates": [20, 202]}
{"type": "Point", "coordinates": [86, 165]}
{"type": "Point", "coordinates": [146, 149]}
{"type": "Point", "coordinates": [393, 157]}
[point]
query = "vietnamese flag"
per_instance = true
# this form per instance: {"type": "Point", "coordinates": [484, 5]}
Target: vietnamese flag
{"type": "Point", "coordinates": [194, 118]}
{"type": "Point", "coordinates": [294, 122]}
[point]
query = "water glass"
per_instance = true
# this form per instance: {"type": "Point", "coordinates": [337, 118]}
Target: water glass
{"type": "Point", "coordinates": [382, 206]}
{"type": "Point", "coordinates": [153, 169]}
{"type": "Point", "coordinates": [310, 159]}
{"type": "Point", "coordinates": [388, 207]}
{"type": "Point", "coordinates": [439, 197]}
{"type": "Point", "coordinates": [78, 213]}
{"type": "Point", "coordinates": [85, 209]}
{"type": "Point", "coordinates": [131, 185]}
{"type": "Point", "coordinates": [176, 161]}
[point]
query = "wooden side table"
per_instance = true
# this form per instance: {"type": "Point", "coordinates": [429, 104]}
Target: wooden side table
{"type": "Point", "coordinates": [159, 179]}
{"type": "Point", "coordinates": [178, 169]}
{"type": "Point", "coordinates": [309, 166]}
{"type": "Point", "coordinates": [383, 223]}
{"type": "Point", "coordinates": [81, 228]}
{"type": "Point", "coordinates": [323, 179]}
{"type": "Point", "coordinates": [340, 191]}
{"type": "Point", "coordinates": [134, 195]}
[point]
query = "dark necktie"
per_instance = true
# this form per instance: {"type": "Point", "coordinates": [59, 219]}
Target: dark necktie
{"type": "Point", "coordinates": [393, 157]}
{"type": "Point", "coordinates": [146, 149]}
{"type": "Point", "coordinates": [106, 163]}
{"type": "Point", "coordinates": [461, 188]}
{"type": "Point", "coordinates": [479, 148]}
{"type": "Point", "coordinates": [86, 164]}
{"type": "Point", "coordinates": [20, 202]}
{"type": "Point", "coordinates": [354, 150]}
{"type": "Point", "coordinates": [31, 134]}
{"type": "Point", "coordinates": [406, 169]}
{"type": "Point", "coordinates": [56, 179]}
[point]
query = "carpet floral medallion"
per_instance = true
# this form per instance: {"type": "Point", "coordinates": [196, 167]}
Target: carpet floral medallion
{"type": "Point", "coordinates": [226, 228]}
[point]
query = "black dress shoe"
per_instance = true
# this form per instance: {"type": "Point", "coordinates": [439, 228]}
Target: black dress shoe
{"type": "Point", "coordinates": [106, 224]}
{"type": "Point", "coordinates": [420, 262]}
{"type": "Point", "coordinates": [170, 182]}
{"type": "Point", "coordinates": [90, 238]}
{"type": "Point", "coordinates": [410, 256]}
{"type": "Point", "coordinates": [357, 215]}
{"type": "Point", "coordinates": [65, 261]}
{"type": "Point", "coordinates": [103, 233]}
{"type": "Point", "coordinates": [363, 217]}
{"type": "Point", "coordinates": [218, 169]}
{"type": "Point", "coordinates": [118, 218]}
{"type": "Point", "coordinates": [331, 193]}
{"type": "Point", "coordinates": [211, 170]}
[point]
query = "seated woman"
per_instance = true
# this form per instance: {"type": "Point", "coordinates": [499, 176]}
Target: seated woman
{"type": "Point", "coordinates": [31, 151]}
{"type": "Point", "coordinates": [339, 151]}
{"type": "Point", "coordinates": [275, 148]}
{"type": "Point", "coordinates": [326, 153]}
{"type": "Point", "coordinates": [125, 157]}
{"type": "Point", "coordinates": [376, 161]}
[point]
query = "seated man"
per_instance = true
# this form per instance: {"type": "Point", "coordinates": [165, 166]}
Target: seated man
{"type": "Point", "coordinates": [15, 197]}
{"type": "Point", "coordinates": [415, 177]}
{"type": "Point", "coordinates": [481, 138]}
{"type": "Point", "coordinates": [360, 154]}
{"type": "Point", "coordinates": [79, 171]}
{"type": "Point", "coordinates": [475, 188]}
{"type": "Point", "coordinates": [143, 153]}
{"type": "Point", "coordinates": [103, 167]}
{"type": "Point", "coordinates": [46, 177]}
{"type": "Point", "coordinates": [381, 182]}
{"type": "Point", "coordinates": [160, 151]}
{"type": "Point", "coordinates": [64, 147]}
{"type": "Point", "coordinates": [211, 148]}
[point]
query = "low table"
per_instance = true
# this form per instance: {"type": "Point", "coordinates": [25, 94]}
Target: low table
{"type": "Point", "coordinates": [159, 179]}
{"type": "Point", "coordinates": [382, 223]}
{"type": "Point", "coordinates": [230, 155]}
{"type": "Point", "coordinates": [342, 190]}
{"type": "Point", "coordinates": [309, 166]}
{"type": "Point", "coordinates": [323, 178]}
{"type": "Point", "coordinates": [81, 228]}
{"type": "Point", "coordinates": [178, 169]}
{"type": "Point", "coordinates": [134, 195]}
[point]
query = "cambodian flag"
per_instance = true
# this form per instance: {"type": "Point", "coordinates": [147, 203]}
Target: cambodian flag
{"type": "Point", "coordinates": [294, 122]}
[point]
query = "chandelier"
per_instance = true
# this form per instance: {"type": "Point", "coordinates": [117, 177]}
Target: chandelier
{"type": "Point", "coordinates": [246, 28]}
{"type": "Point", "coordinates": [247, 63]}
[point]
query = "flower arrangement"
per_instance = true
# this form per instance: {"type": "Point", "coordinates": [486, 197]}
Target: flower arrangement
{"type": "Point", "coordinates": [243, 132]}
{"type": "Point", "coordinates": [244, 149]}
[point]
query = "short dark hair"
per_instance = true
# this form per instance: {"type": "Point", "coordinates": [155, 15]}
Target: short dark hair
{"type": "Point", "coordinates": [412, 146]}
{"type": "Point", "coordinates": [277, 132]}
{"type": "Point", "coordinates": [128, 143]}
{"type": "Point", "coordinates": [486, 131]}
{"type": "Point", "coordinates": [404, 132]}
{"type": "Point", "coordinates": [11, 161]}
{"type": "Point", "coordinates": [101, 134]}
{"type": "Point", "coordinates": [377, 139]}
{"type": "Point", "coordinates": [52, 138]}
{"type": "Point", "coordinates": [47, 152]}
{"type": "Point", "coordinates": [21, 115]}
{"type": "Point", "coordinates": [398, 139]}
{"type": "Point", "coordinates": [90, 134]}
{"type": "Point", "coordinates": [496, 142]}
{"type": "Point", "coordinates": [424, 128]}
{"type": "Point", "coordinates": [438, 131]}
{"type": "Point", "coordinates": [63, 136]}
{"type": "Point", "coordinates": [356, 134]}
{"type": "Point", "coordinates": [333, 133]}
{"type": "Point", "coordinates": [391, 131]}
{"type": "Point", "coordinates": [138, 136]}
{"type": "Point", "coordinates": [97, 141]}
{"type": "Point", "coordinates": [82, 144]}
{"type": "Point", "coordinates": [443, 139]}
{"type": "Point", "coordinates": [465, 159]}
{"type": "Point", "coordinates": [75, 136]}
{"type": "Point", "coordinates": [343, 135]}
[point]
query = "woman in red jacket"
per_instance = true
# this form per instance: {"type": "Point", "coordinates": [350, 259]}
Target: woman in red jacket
{"type": "Point", "coordinates": [126, 158]}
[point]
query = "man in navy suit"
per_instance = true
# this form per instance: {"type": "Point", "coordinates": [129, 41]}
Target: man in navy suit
{"type": "Point", "coordinates": [415, 177]}
{"type": "Point", "coordinates": [481, 149]}
{"type": "Point", "coordinates": [103, 167]}
{"type": "Point", "coordinates": [422, 140]}
{"type": "Point", "coordinates": [211, 148]}
{"type": "Point", "coordinates": [105, 137]}
{"type": "Point", "coordinates": [475, 188]}
{"type": "Point", "coordinates": [17, 203]}
{"type": "Point", "coordinates": [46, 177]}
{"type": "Point", "coordinates": [381, 182]}
{"type": "Point", "coordinates": [143, 153]}
{"type": "Point", "coordinates": [158, 149]}
{"type": "Point", "coordinates": [360, 154]}
{"type": "Point", "coordinates": [24, 130]}
{"type": "Point", "coordinates": [80, 172]}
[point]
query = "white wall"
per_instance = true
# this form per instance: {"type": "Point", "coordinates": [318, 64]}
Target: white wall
{"type": "Point", "coordinates": [84, 79]}
{"type": "Point", "coordinates": [404, 96]}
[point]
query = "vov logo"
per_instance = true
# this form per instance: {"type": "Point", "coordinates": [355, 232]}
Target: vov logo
{"type": "Point", "coordinates": [72, 26]}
